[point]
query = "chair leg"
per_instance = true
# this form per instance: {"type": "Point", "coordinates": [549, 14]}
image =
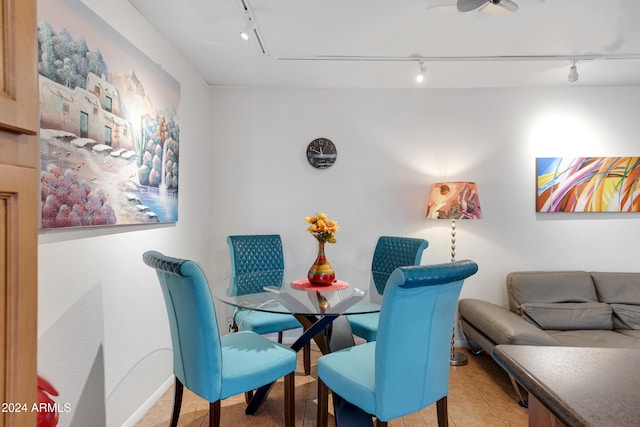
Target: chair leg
{"type": "Point", "coordinates": [306, 355]}
{"type": "Point", "coordinates": [214, 414]}
{"type": "Point", "coordinates": [178, 389]}
{"type": "Point", "coordinates": [323, 404]}
{"type": "Point", "coordinates": [248, 395]}
{"type": "Point", "coordinates": [306, 350]}
{"type": "Point", "coordinates": [280, 337]}
{"type": "Point", "coordinates": [289, 400]}
{"type": "Point", "coordinates": [381, 423]}
{"type": "Point", "coordinates": [443, 416]}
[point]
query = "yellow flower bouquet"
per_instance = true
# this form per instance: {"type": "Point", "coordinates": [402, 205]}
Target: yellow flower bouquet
{"type": "Point", "coordinates": [322, 228]}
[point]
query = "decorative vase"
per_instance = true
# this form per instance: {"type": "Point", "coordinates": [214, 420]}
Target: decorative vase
{"type": "Point", "coordinates": [321, 273]}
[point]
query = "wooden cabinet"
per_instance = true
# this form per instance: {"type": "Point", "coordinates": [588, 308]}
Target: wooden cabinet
{"type": "Point", "coordinates": [19, 207]}
{"type": "Point", "coordinates": [18, 49]}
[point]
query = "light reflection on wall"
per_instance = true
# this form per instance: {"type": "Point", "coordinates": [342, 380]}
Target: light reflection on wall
{"type": "Point", "coordinates": [565, 132]}
{"type": "Point", "coordinates": [438, 161]}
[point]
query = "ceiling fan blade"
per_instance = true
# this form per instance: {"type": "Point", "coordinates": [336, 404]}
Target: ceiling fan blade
{"type": "Point", "coordinates": [509, 5]}
{"type": "Point", "coordinates": [469, 5]}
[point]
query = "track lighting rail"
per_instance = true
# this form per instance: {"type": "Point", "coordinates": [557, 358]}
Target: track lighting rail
{"type": "Point", "coordinates": [480, 58]}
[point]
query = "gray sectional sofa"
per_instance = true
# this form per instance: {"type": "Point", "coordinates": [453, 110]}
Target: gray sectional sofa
{"type": "Point", "coordinates": [557, 308]}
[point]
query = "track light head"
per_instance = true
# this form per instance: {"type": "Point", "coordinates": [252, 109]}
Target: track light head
{"type": "Point", "coordinates": [247, 31]}
{"type": "Point", "coordinates": [421, 74]}
{"type": "Point", "coordinates": [573, 72]}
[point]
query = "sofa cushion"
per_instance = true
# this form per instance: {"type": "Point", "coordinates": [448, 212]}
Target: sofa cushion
{"type": "Point", "coordinates": [617, 288]}
{"type": "Point", "coordinates": [626, 316]}
{"type": "Point", "coordinates": [569, 316]}
{"type": "Point", "coordinates": [547, 287]}
{"type": "Point", "coordinates": [499, 325]}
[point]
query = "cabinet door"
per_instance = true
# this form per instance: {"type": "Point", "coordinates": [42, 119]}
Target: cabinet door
{"type": "Point", "coordinates": [19, 202]}
{"type": "Point", "coordinates": [18, 52]}
{"type": "Point", "coordinates": [18, 293]}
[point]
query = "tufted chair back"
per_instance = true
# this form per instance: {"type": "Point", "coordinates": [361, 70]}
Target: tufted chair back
{"type": "Point", "coordinates": [393, 252]}
{"type": "Point", "coordinates": [260, 254]}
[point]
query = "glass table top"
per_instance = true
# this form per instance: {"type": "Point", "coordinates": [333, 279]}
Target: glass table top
{"type": "Point", "coordinates": [288, 291]}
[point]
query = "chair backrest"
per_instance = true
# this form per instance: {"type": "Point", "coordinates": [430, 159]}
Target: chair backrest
{"type": "Point", "coordinates": [393, 252]}
{"type": "Point", "coordinates": [414, 336]}
{"type": "Point", "coordinates": [253, 254]}
{"type": "Point", "coordinates": [195, 337]}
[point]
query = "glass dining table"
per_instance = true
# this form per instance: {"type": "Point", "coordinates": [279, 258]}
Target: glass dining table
{"type": "Point", "coordinates": [319, 309]}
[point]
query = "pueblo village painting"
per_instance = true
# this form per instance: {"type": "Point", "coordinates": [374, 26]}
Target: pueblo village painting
{"type": "Point", "coordinates": [588, 184]}
{"type": "Point", "coordinates": [109, 133]}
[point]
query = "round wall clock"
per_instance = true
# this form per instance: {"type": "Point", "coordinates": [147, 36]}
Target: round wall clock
{"type": "Point", "coordinates": [321, 153]}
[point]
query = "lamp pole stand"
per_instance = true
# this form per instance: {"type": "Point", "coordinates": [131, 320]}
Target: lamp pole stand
{"type": "Point", "coordinates": [453, 240]}
{"type": "Point", "coordinates": [456, 358]}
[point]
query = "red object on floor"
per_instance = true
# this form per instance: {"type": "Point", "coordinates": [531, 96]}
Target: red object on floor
{"type": "Point", "coordinates": [47, 409]}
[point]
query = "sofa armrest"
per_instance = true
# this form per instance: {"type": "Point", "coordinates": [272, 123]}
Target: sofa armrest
{"type": "Point", "coordinates": [501, 325]}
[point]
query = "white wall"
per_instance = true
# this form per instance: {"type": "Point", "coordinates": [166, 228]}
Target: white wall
{"type": "Point", "coordinates": [103, 333]}
{"type": "Point", "coordinates": [392, 145]}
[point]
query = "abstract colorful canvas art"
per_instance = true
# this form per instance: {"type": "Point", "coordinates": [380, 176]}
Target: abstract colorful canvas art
{"type": "Point", "coordinates": [588, 184]}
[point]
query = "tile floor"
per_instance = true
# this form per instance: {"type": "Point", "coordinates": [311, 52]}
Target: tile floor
{"type": "Point", "coordinates": [480, 395]}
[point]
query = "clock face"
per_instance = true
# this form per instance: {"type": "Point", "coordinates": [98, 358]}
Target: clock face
{"type": "Point", "coordinates": [321, 153]}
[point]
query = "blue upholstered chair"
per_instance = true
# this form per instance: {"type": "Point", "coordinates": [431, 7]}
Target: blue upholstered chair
{"type": "Point", "coordinates": [390, 253]}
{"type": "Point", "coordinates": [211, 366]}
{"type": "Point", "coordinates": [407, 367]}
{"type": "Point", "coordinates": [254, 254]}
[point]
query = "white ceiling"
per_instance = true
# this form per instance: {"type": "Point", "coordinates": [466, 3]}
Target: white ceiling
{"type": "Point", "coordinates": [378, 37]}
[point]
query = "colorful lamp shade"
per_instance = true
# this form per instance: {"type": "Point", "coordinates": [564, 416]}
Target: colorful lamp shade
{"type": "Point", "coordinates": [454, 200]}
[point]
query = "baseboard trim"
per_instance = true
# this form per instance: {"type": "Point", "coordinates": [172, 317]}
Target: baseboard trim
{"type": "Point", "coordinates": [148, 404]}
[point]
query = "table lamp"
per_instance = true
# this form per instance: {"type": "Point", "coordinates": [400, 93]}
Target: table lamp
{"type": "Point", "coordinates": [452, 201]}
